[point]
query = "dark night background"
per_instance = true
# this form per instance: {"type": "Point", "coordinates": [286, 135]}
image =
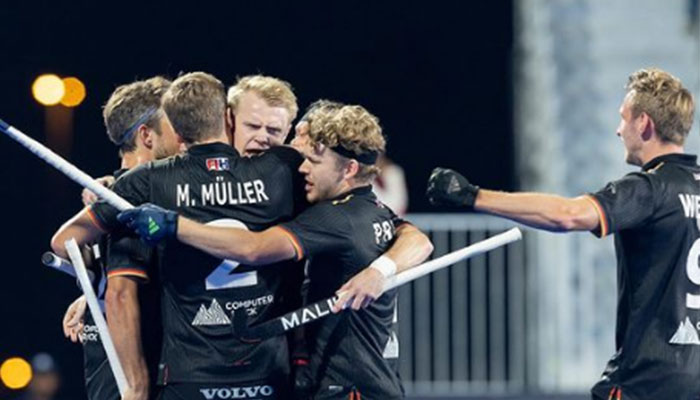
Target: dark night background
{"type": "Point", "coordinates": [436, 73]}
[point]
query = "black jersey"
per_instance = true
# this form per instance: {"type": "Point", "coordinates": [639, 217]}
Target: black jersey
{"type": "Point", "coordinates": [352, 349]}
{"type": "Point", "coordinates": [211, 183]}
{"type": "Point", "coordinates": [655, 215]}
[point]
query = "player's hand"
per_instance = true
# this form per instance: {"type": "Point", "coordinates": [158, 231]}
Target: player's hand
{"type": "Point", "coordinates": [73, 320]}
{"type": "Point", "coordinates": [360, 290]}
{"type": "Point", "coordinates": [449, 188]}
{"type": "Point", "coordinates": [89, 197]}
{"type": "Point", "coordinates": [135, 394]}
{"type": "Point", "coordinates": [151, 222]}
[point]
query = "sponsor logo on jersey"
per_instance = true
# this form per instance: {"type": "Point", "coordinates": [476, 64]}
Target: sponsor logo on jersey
{"type": "Point", "coordinates": [250, 305]}
{"type": "Point", "coordinates": [214, 315]}
{"type": "Point", "coordinates": [685, 334]}
{"type": "Point", "coordinates": [90, 333]}
{"type": "Point", "coordinates": [243, 392]}
{"type": "Point", "coordinates": [391, 350]}
{"type": "Point", "coordinates": [217, 164]}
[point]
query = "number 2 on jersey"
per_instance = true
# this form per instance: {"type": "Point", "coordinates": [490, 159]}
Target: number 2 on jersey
{"type": "Point", "coordinates": [222, 277]}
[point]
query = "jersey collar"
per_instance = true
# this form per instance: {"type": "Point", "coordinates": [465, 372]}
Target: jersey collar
{"type": "Point", "coordinates": [676, 158]}
{"type": "Point", "coordinates": [209, 148]}
{"type": "Point", "coordinates": [358, 191]}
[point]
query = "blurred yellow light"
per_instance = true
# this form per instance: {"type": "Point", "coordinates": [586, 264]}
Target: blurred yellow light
{"type": "Point", "coordinates": [48, 89]}
{"type": "Point", "coordinates": [15, 373]}
{"type": "Point", "coordinates": [75, 92]}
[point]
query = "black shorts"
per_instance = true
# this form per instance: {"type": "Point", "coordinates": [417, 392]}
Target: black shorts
{"type": "Point", "coordinates": [101, 384]}
{"type": "Point", "coordinates": [611, 396]}
{"type": "Point", "coordinates": [337, 392]}
{"type": "Point", "coordinates": [222, 391]}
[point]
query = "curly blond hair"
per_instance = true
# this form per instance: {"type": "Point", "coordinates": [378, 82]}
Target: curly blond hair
{"type": "Point", "coordinates": [349, 126]}
{"type": "Point", "coordinates": [320, 106]}
{"type": "Point", "coordinates": [275, 92]}
{"type": "Point", "coordinates": [663, 97]}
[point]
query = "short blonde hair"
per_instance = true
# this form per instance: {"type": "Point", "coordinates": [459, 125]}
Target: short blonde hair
{"type": "Point", "coordinates": [663, 97]}
{"type": "Point", "coordinates": [136, 103]}
{"type": "Point", "coordinates": [275, 92]}
{"type": "Point", "coordinates": [196, 105]}
{"type": "Point", "coordinates": [351, 127]}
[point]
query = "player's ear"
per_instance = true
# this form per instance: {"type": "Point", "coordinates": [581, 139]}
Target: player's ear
{"type": "Point", "coordinates": [230, 120]}
{"type": "Point", "coordinates": [145, 136]}
{"type": "Point", "coordinates": [230, 125]}
{"type": "Point", "coordinates": [352, 168]}
{"type": "Point", "coordinates": [645, 126]}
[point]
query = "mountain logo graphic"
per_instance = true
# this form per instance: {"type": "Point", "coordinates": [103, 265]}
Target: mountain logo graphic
{"type": "Point", "coordinates": [212, 316]}
{"type": "Point", "coordinates": [686, 334]}
{"type": "Point", "coordinates": [391, 350]}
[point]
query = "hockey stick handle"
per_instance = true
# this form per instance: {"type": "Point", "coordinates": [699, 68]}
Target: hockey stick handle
{"type": "Point", "coordinates": [77, 260]}
{"type": "Point", "coordinates": [70, 170]}
{"type": "Point", "coordinates": [61, 264]}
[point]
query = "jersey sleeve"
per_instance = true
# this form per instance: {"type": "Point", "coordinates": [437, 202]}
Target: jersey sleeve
{"type": "Point", "coordinates": [319, 229]}
{"type": "Point", "coordinates": [129, 256]}
{"type": "Point", "coordinates": [133, 186]}
{"type": "Point", "coordinates": [624, 204]}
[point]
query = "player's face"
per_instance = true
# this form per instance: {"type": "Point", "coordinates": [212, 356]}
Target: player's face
{"type": "Point", "coordinates": [301, 136]}
{"type": "Point", "coordinates": [629, 132]}
{"type": "Point", "coordinates": [322, 172]}
{"type": "Point", "coordinates": [258, 126]}
{"type": "Point", "coordinates": [165, 141]}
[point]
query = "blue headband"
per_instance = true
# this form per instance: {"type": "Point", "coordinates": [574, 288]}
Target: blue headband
{"type": "Point", "coordinates": [126, 136]}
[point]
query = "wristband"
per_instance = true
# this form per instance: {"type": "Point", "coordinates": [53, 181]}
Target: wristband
{"type": "Point", "coordinates": [385, 265]}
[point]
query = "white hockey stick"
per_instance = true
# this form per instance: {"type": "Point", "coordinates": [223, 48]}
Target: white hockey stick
{"type": "Point", "coordinates": [93, 305]}
{"type": "Point", "coordinates": [320, 309]}
{"type": "Point", "coordinates": [64, 166]}
{"type": "Point", "coordinates": [426, 268]}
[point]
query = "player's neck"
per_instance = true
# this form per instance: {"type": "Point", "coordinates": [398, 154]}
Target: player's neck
{"type": "Point", "coordinates": [348, 185]}
{"type": "Point", "coordinates": [660, 149]}
{"type": "Point", "coordinates": [217, 139]}
{"type": "Point", "coordinates": [135, 158]}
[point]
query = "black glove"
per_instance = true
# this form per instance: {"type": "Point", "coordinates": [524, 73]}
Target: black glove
{"type": "Point", "coordinates": [151, 222]}
{"type": "Point", "coordinates": [448, 188]}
